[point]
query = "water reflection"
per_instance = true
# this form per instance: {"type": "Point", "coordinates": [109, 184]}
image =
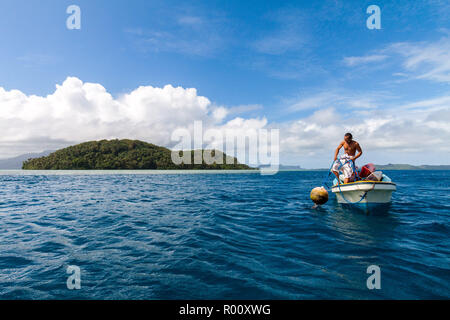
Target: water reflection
{"type": "Point", "coordinates": [361, 229]}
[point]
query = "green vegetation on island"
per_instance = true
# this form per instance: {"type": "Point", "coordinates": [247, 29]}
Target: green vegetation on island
{"type": "Point", "coordinates": [123, 154]}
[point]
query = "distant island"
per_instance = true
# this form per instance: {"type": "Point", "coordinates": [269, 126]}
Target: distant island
{"type": "Point", "coordinates": [121, 154]}
{"type": "Point", "coordinates": [391, 166]}
{"type": "Point", "coordinates": [381, 167]}
{"type": "Point", "coordinates": [16, 162]}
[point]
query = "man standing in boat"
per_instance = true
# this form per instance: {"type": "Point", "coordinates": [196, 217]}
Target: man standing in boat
{"type": "Point", "coordinates": [344, 163]}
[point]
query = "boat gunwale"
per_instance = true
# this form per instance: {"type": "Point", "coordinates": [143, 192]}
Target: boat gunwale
{"type": "Point", "coordinates": [364, 186]}
{"type": "Point", "coordinates": [363, 182]}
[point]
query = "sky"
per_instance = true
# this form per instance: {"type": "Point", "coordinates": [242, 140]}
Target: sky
{"type": "Point", "coordinates": [311, 69]}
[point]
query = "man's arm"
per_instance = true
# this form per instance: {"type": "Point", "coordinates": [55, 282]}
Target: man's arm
{"type": "Point", "coordinates": [358, 148]}
{"type": "Point", "coordinates": [337, 150]}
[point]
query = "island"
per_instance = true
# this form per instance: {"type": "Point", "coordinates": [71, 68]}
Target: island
{"type": "Point", "coordinates": [391, 166]}
{"type": "Point", "coordinates": [123, 154]}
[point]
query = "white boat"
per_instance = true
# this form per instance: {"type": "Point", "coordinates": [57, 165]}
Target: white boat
{"type": "Point", "coordinates": [368, 195]}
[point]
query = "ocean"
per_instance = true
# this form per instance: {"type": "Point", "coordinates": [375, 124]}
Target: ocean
{"type": "Point", "coordinates": [211, 235]}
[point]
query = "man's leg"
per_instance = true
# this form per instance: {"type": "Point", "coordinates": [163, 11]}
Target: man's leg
{"type": "Point", "coordinates": [347, 171]}
{"type": "Point", "coordinates": [335, 169]}
{"type": "Point", "coordinates": [337, 176]}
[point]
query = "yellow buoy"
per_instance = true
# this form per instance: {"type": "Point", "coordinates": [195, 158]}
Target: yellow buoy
{"type": "Point", "coordinates": [319, 195]}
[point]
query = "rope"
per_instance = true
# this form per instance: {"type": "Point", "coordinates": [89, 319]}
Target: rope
{"type": "Point", "coordinates": [362, 197]}
{"type": "Point", "coordinates": [324, 181]}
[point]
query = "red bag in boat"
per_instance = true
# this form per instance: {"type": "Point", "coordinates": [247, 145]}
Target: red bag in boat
{"type": "Point", "coordinates": [366, 170]}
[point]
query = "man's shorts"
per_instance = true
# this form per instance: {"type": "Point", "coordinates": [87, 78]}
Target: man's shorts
{"type": "Point", "coordinates": [343, 164]}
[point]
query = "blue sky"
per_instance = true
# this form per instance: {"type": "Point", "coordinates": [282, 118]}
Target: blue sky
{"type": "Point", "coordinates": [281, 61]}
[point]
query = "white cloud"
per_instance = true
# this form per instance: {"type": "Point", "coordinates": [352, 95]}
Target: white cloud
{"type": "Point", "coordinates": [337, 99]}
{"type": "Point", "coordinates": [355, 61]}
{"type": "Point", "coordinates": [388, 132]}
{"type": "Point", "coordinates": [314, 102]}
{"type": "Point", "coordinates": [220, 113]}
{"type": "Point", "coordinates": [79, 111]}
{"type": "Point", "coordinates": [427, 60]}
{"type": "Point", "coordinates": [439, 102]}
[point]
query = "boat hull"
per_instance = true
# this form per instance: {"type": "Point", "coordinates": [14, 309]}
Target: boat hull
{"type": "Point", "coordinates": [364, 192]}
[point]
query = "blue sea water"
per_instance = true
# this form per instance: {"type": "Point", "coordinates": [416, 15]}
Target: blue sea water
{"type": "Point", "coordinates": [218, 236]}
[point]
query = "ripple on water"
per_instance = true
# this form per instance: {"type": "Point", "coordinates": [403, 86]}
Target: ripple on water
{"type": "Point", "coordinates": [218, 236]}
